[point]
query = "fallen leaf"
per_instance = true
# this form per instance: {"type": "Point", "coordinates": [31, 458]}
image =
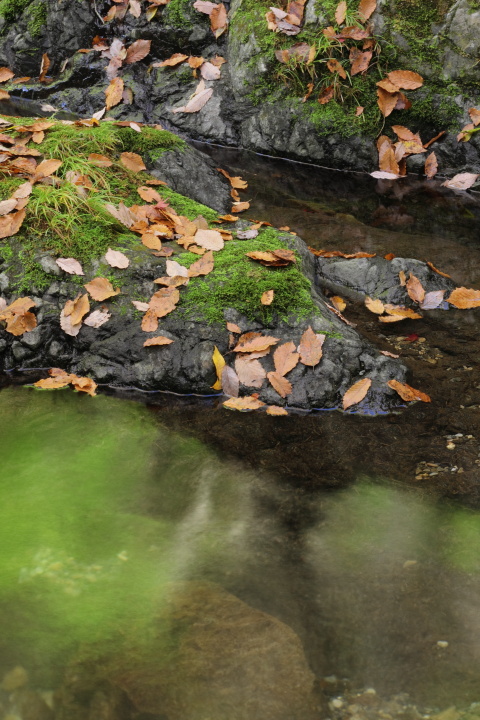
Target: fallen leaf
{"type": "Point", "coordinates": [276, 410]}
{"type": "Point", "coordinates": [114, 92]}
{"type": "Point", "coordinates": [462, 181]}
{"type": "Point", "coordinates": [338, 253]}
{"type": "Point", "coordinates": [11, 224]}
{"type": "Point", "coordinates": [408, 393]}
{"type": "Point", "coordinates": [70, 265]}
{"type": "Point", "coordinates": [158, 340]}
{"type": "Point", "coordinates": [402, 278]}
{"type": "Point", "coordinates": [341, 12]}
{"type": "Point", "coordinates": [151, 241]}
{"type": "Point", "coordinates": [359, 110]}
{"type": "Point", "coordinates": [285, 358]}
{"type": "Point", "coordinates": [218, 19]}
{"type": "Point", "coordinates": [54, 383]}
{"type": "Point", "coordinates": [254, 344]}
{"type": "Point", "coordinates": [132, 161]}
{"type": "Point", "coordinates": [46, 168]}
{"type": "Point", "coordinates": [250, 372]}
{"type": "Point", "coordinates": [203, 266]}
{"type": "Point", "coordinates": [44, 65]}
{"type": "Point", "coordinates": [99, 160]}
{"type": "Point", "coordinates": [174, 268]}
{"type": "Point", "coordinates": [247, 234]}
{"type": "Point", "coordinates": [149, 321]}
{"type": "Point", "coordinates": [172, 61]}
{"type": "Point", "coordinates": [366, 8]}
{"type": "Point", "coordinates": [84, 384]}
{"type": "Point", "coordinates": [360, 60]}
{"type": "Point", "coordinates": [280, 384]}
{"type": "Point", "coordinates": [464, 298]}
{"type": "Point", "coordinates": [473, 112]}
{"type": "Point", "coordinates": [382, 175]}
{"type": "Point", "coordinates": [209, 71]}
{"type": "Point", "coordinates": [196, 102]}
{"type": "Point", "coordinates": [164, 301]}
{"type": "Point", "coordinates": [240, 207]}
{"type": "Point", "coordinates": [386, 101]}
{"type": "Point", "coordinates": [77, 309]}
{"type": "Point", "coordinates": [142, 306]}
{"type": "Point", "coordinates": [335, 67]}
{"type": "Point", "coordinates": [100, 289]}
{"type": "Point", "coordinates": [310, 347]}
{"type": "Point", "coordinates": [219, 362]}
{"type": "Point", "coordinates": [390, 256]}
{"type": "Point", "coordinates": [415, 289]}
{"type": "Point", "coordinates": [209, 239]}
{"type": "Point", "coordinates": [267, 297]}
{"type": "Point", "coordinates": [116, 259]}
{"type": "Point", "coordinates": [439, 272]}
{"type": "Point", "coordinates": [230, 382]}
{"type": "Point", "coordinates": [405, 79]}
{"type": "Point", "coordinates": [432, 300]}
{"type": "Point", "coordinates": [338, 302]}
{"type": "Point", "coordinates": [326, 95]}
{"type": "Point", "coordinates": [375, 306]}
{"type": "Point", "coordinates": [243, 404]}
{"type": "Point", "coordinates": [356, 392]}
{"type": "Point", "coordinates": [6, 74]}
{"type": "Point", "coordinates": [389, 354]}
{"type": "Point", "coordinates": [6, 206]}
{"type": "Point", "coordinates": [97, 318]}
{"type": "Point", "coordinates": [17, 316]}
{"type": "Point", "coordinates": [431, 166]}
{"type": "Point", "coordinates": [137, 51]}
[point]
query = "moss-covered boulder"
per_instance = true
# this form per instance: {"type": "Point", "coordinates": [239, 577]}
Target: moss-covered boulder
{"type": "Point", "coordinates": [70, 216]}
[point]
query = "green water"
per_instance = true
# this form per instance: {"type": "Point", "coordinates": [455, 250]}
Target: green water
{"type": "Point", "coordinates": [103, 506]}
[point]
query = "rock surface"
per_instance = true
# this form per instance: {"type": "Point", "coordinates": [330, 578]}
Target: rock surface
{"type": "Point", "coordinates": [224, 660]}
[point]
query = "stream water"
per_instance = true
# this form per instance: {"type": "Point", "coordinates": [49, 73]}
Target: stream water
{"type": "Point", "coordinates": [361, 535]}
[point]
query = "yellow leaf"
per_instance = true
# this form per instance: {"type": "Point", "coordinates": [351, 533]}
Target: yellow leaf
{"type": "Point", "coordinates": [219, 362]}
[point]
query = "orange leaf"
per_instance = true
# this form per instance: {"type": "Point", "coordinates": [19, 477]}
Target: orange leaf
{"type": "Point", "coordinates": [285, 358]}
{"type": "Point", "coordinates": [474, 115]}
{"type": "Point", "coordinates": [431, 166]}
{"type": "Point", "coordinates": [6, 74]}
{"type": "Point", "coordinates": [11, 224]}
{"type": "Point", "coordinates": [276, 410]}
{"type": "Point", "coordinates": [282, 386]}
{"type": "Point", "coordinates": [137, 51]}
{"type": "Point", "coordinates": [258, 343]}
{"type": "Point", "coordinates": [356, 392]}
{"type": "Point", "coordinates": [100, 289]}
{"type": "Point", "coordinates": [158, 340]}
{"type": "Point", "coordinates": [53, 383]}
{"type": "Point", "coordinates": [415, 289]}
{"type": "Point", "coordinates": [405, 79]}
{"type": "Point", "coordinates": [267, 297]}
{"type": "Point", "coordinates": [334, 66]}
{"type": "Point", "coordinates": [366, 8]}
{"type": "Point", "coordinates": [439, 272]}
{"type": "Point", "coordinates": [231, 327]}
{"type": "Point", "coordinates": [132, 161]}
{"type": "Point", "coordinates": [45, 64]}
{"type": "Point", "coordinates": [386, 101]}
{"type": "Point", "coordinates": [326, 95]}
{"type": "Point", "coordinates": [408, 393]}
{"type": "Point", "coordinates": [310, 347]}
{"type": "Point", "coordinates": [114, 92]}
{"type": "Point", "coordinates": [250, 372]}
{"type": "Point", "coordinates": [47, 168]}
{"type": "Point", "coordinates": [164, 301]}
{"type": "Point", "coordinates": [209, 239]}
{"type": "Point", "coordinates": [99, 160]}
{"type": "Point", "coordinates": [239, 207]}
{"type": "Point", "coordinates": [203, 266]}
{"type": "Point", "coordinates": [341, 12]}
{"type": "Point", "coordinates": [338, 302]}
{"type": "Point", "coordinates": [84, 384]}
{"type": "Point", "coordinates": [464, 298]}
{"type": "Point", "coordinates": [243, 404]}
{"type": "Point", "coordinates": [375, 306]}
{"type": "Point", "coordinates": [175, 59]}
{"type": "Point", "coordinates": [150, 321]}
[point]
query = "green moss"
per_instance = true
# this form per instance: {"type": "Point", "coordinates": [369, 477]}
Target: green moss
{"type": "Point", "coordinates": [184, 206]}
{"type": "Point", "coordinates": [149, 140]}
{"type": "Point", "coordinates": [238, 282]}
{"type": "Point", "coordinates": [12, 9]}
{"type": "Point", "coordinates": [37, 19]}
{"type": "Point", "coordinates": [181, 14]}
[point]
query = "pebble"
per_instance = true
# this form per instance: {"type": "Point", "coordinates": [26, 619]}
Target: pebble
{"type": "Point", "coordinates": [442, 643]}
{"type": "Point", "coordinates": [450, 446]}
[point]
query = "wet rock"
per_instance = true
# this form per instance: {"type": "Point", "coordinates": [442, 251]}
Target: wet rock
{"type": "Point", "coordinates": [212, 656]}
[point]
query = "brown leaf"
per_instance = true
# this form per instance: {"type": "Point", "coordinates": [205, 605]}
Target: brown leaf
{"type": "Point", "coordinates": [132, 161]}
{"type": "Point", "coordinates": [310, 347]}
{"type": "Point", "coordinates": [172, 61]}
{"type": "Point", "coordinates": [338, 302]}
{"type": "Point", "coordinates": [240, 207]}
{"type": "Point", "coordinates": [99, 160]}
{"type": "Point", "coordinates": [334, 66]}
{"type": "Point", "coordinates": [462, 181]}
{"type": "Point", "coordinates": [386, 156]}
{"type": "Point", "coordinates": [408, 393]}
{"type": "Point", "coordinates": [209, 71]}
{"type": "Point", "coordinates": [84, 384]}
{"type": "Point", "coordinates": [282, 386]}
{"type": "Point", "coordinates": [230, 382]}
{"type": "Point", "coordinates": [366, 8]}
{"type": "Point", "coordinates": [6, 74]}
{"type": "Point", "coordinates": [114, 92]}
{"type": "Point", "coordinates": [285, 358]}
{"type": "Point", "coordinates": [232, 327]}
{"type": "Point", "coordinates": [100, 288]}
{"type": "Point", "coordinates": [44, 65]}
{"type": "Point", "coordinates": [267, 297]}
{"type": "Point", "coordinates": [209, 239]}
{"type": "Point", "coordinates": [218, 19]}
{"type": "Point", "coordinates": [397, 313]}
{"type": "Point", "coordinates": [375, 306]}
{"type": "Point", "coordinates": [46, 168]}
{"type": "Point", "coordinates": [70, 265]}
{"type": "Point", "coordinates": [254, 344]}
{"type": "Point", "coordinates": [360, 61]}
{"type": "Point", "coordinates": [385, 84]}
{"type": "Point", "coordinates": [236, 182]}
{"type": "Point", "coordinates": [439, 272]}
{"type": "Point", "coordinates": [137, 51]}
{"type": "Point", "coordinates": [326, 95]}
{"type": "Point", "coordinates": [405, 79]}
{"type": "Point", "coordinates": [386, 101]}
{"type": "Point", "coordinates": [158, 340]}
{"type": "Point", "coordinates": [11, 224]}
{"type": "Point", "coordinates": [116, 259]}
{"type": "Point", "coordinates": [203, 266]}
{"type": "Point", "coordinates": [431, 166]}
{"type": "Point", "coordinates": [276, 410]}
{"type": "Point", "coordinates": [338, 253]}
{"type": "Point", "coordinates": [464, 298]}
{"type": "Point", "coordinates": [164, 301]}
{"type": "Point", "coordinates": [197, 102]}
{"type": "Point", "coordinates": [4, 95]}
{"type": "Point", "coordinates": [356, 392]}
{"type": "Point", "coordinates": [415, 289]}
{"type": "Point", "coordinates": [54, 383]}
{"type": "Point", "coordinates": [243, 404]}
{"type": "Point", "coordinates": [97, 318]}
{"type": "Point", "coordinates": [473, 112]}
{"type": "Point", "coordinates": [150, 321]}
{"type": "Point", "coordinates": [6, 206]}
{"type": "Point", "coordinates": [341, 12]}
{"type": "Point", "coordinates": [151, 241]}
{"type": "Point", "coordinates": [250, 372]}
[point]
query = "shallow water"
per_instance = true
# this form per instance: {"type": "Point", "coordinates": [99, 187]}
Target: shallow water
{"type": "Point", "coordinates": [347, 529]}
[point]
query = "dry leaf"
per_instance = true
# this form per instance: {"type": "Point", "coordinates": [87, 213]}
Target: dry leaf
{"type": "Point", "coordinates": [47, 168]}
{"type": "Point", "coordinates": [6, 206]}
{"type": "Point", "coordinates": [464, 298]}
{"type": "Point", "coordinates": [151, 241]}
{"type": "Point", "coordinates": [254, 344]}
{"type": "Point", "coordinates": [70, 265]}
{"type": "Point", "coordinates": [431, 166]}
{"type": "Point", "coordinates": [243, 404]}
{"type": "Point", "coordinates": [209, 239]}
{"type": "Point", "coordinates": [415, 289]}
{"type": "Point", "coordinates": [172, 61]}
{"type": "Point", "coordinates": [267, 297]}
{"type": "Point", "coordinates": [99, 160]}
{"type": "Point", "coordinates": [282, 386]}
{"type": "Point", "coordinates": [6, 74]}
{"type": "Point", "coordinates": [116, 259]}
{"type": "Point", "coordinates": [338, 302]}
{"type": "Point", "coordinates": [285, 358]}
{"type": "Point", "coordinates": [218, 19]}
{"type": "Point", "coordinates": [100, 289]}
{"type": "Point", "coordinates": [54, 383]}
{"type": "Point", "coordinates": [439, 272]}
{"type": "Point", "coordinates": [114, 92]}
{"type": "Point", "coordinates": [197, 102]}
{"type": "Point", "coordinates": [231, 327]}
{"type": "Point", "coordinates": [230, 382]}
{"type": "Point", "coordinates": [219, 362]}
{"type": "Point", "coordinates": [174, 268]}
{"type": "Point", "coordinates": [240, 207]}
{"type": "Point", "coordinates": [375, 306]}
{"type": "Point", "coordinates": [149, 321]}
{"type": "Point", "coordinates": [250, 372]}
{"type": "Point", "coordinates": [158, 340]}
{"type": "Point", "coordinates": [386, 101]}
{"type": "Point", "coordinates": [149, 194]}
{"type": "Point", "coordinates": [341, 12]}
{"type": "Point", "coordinates": [432, 300]}
{"type": "Point", "coordinates": [326, 95]}
{"type": "Point", "coordinates": [11, 224]}
{"type": "Point", "coordinates": [356, 392]}
{"type": "Point", "coordinates": [203, 266]}
{"type": "Point", "coordinates": [209, 71]}
{"type": "Point", "coordinates": [276, 410]}
{"type": "Point", "coordinates": [408, 393]}
{"type": "Point", "coordinates": [142, 306]}
{"type": "Point", "coordinates": [310, 347]}
{"type": "Point", "coordinates": [366, 8]}
{"type": "Point", "coordinates": [137, 51]}
{"type": "Point", "coordinates": [84, 384]}
{"type": "Point", "coordinates": [360, 60]}
{"type": "Point", "coordinates": [474, 115]}
{"type": "Point", "coordinates": [334, 66]}
{"type": "Point", "coordinates": [45, 64]}
{"type": "Point", "coordinates": [462, 181]}
{"type": "Point", "coordinates": [97, 318]}
{"type": "Point", "coordinates": [132, 161]}
{"type": "Point", "coordinates": [405, 79]}
{"type": "Point", "coordinates": [164, 301]}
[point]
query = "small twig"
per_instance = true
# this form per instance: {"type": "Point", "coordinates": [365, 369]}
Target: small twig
{"type": "Point", "coordinates": [97, 13]}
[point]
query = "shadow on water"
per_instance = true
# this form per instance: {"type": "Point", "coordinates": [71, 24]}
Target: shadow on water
{"type": "Point", "coordinates": [105, 504]}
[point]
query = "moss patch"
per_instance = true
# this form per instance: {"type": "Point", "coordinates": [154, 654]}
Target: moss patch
{"type": "Point", "coordinates": [12, 9]}
{"type": "Point", "coordinates": [181, 14]}
{"type": "Point", "coordinates": [238, 282]}
{"type": "Point", "coordinates": [37, 19]}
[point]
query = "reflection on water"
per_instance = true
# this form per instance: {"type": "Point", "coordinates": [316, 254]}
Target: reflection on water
{"type": "Point", "coordinates": [103, 507]}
